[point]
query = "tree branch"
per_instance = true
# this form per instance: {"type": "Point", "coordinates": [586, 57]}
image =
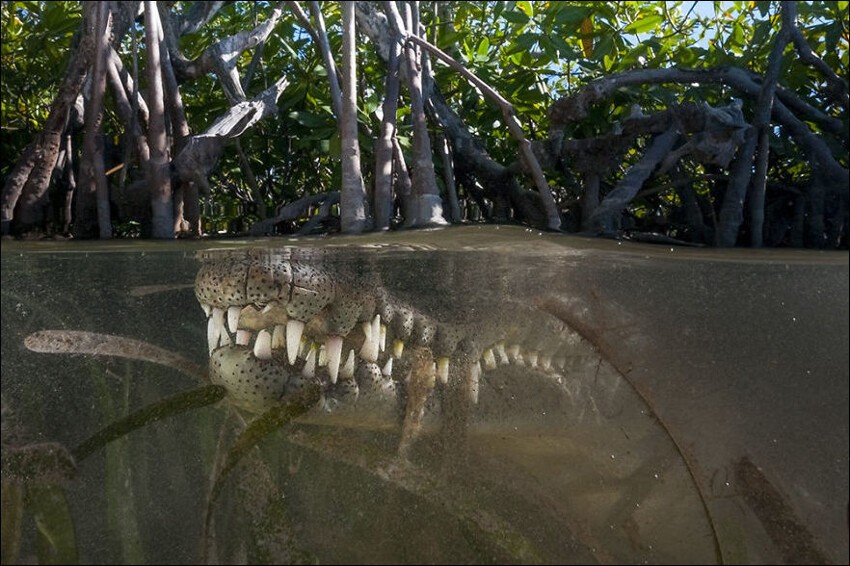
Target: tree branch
{"type": "Point", "coordinates": [293, 211]}
{"type": "Point", "coordinates": [554, 218]}
{"type": "Point", "coordinates": [203, 150]}
{"type": "Point", "coordinates": [603, 218]}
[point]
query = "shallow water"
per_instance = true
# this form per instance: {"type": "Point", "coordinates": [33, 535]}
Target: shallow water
{"type": "Point", "coordinates": [702, 418]}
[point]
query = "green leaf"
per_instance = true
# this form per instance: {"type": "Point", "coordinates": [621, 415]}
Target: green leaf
{"type": "Point", "coordinates": [526, 8]}
{"type": "Point", "coordinates": [308, 119]}
{"type": "Point", "coordinates": [644, 24]}
{"type": "Point", "coordinates": [483, 48]}
{"type": "Point", "coordinates": [515, 17]}
{"type": "Point", "coordinates": [571, 16]}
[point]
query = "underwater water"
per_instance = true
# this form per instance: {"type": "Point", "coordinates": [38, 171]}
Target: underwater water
{"type": "Point", "coordinates": [691, 407]}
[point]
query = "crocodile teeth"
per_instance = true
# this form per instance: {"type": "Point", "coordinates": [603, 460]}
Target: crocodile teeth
{"type": "Point", "coordinates": [294, 329]}
{"type": "Point", "coordinates": [387, 371]}
{"type": "Point", "coordinates": [546, 362]}
{"type": "Point", "coordinates": [309, 370]}
{"type": "Point", "coordinates": [513, 354]}
{"type": "Point", "coordinates": [224, 339]}
{"type": "Point", "coordinates": [383, 338]}
{"type": "Point", "coordinates": [278, 337]}
{"type": "Point", "coordinates": [398, 348]}
{"type": "Point", "coordinates": [532, 358]}
{"type": "Point", "coordinates": [233, 318]}
{"type": "Point", "coordinates": [371, 344]}
{"type": "Point", "coordinates": [333, 351]}
{"type": "Point", "coordinates": [443, 369]}
{"type": "Point", "coordinates": [243, 337]}
{"type": "Point", "coordinates": [263, 345]}
{"type": "Point", "coordinates": [304, 348]}
{"type": "Point", "coordinates": [376, 330]}
{"type": "Point", "coordinates": [212, 335]}
{"type": "Point", "coordinates": [207, 309]}
{"type": "Point", "coordinates": [347, 370]}
{"type": "Point", "coordinates": [367, 339]}
{"type": "Point", "coordinates": [489, 359]}
{"type": "Point", "coordinates": [473, 383]}
{"type": "Point", "coordinates": [215, 327]}
{"type": "Point", "coordinates": [503, 355]}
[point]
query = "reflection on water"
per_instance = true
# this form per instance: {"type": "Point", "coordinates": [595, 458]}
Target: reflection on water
{"type": "Point", "coordinates": [699, 412]}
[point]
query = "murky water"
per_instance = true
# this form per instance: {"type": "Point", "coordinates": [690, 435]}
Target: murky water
{"type": "Point", "coordinates": [700, 415]}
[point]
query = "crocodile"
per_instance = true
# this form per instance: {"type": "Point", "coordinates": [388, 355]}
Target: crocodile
{"type": "Point", "coordinates": [279, 320]}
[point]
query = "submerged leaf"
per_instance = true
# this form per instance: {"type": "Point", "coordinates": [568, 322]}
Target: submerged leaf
{"type": "Point", "coordinates": [96, 344]}
{"type": "Point", "coordinates": [173, 405]}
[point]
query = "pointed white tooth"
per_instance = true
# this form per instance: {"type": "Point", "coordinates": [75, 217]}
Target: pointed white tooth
{"type": "Point", "coordinates": [513, 353]}
{"type": "Point", "coordinates": [309, 370]}
{"type": "Point", "coordinates": [489, 359]}
{"type": "Point", "coordinates": [387, 370]}
{"type": "Point", "coordinates": [215, 328]}
{"type": "Point", "coordinates": [278, 336]}
{"type": "Point", "coordinates": [266, 309]}
{"type": "Point", "coordinates": [243, 337]}
{"type": "Point", "coordinates": [263, 345]}
{"type": "Point", "coordinates": [323, 356]}
{"type": "Point", "coordinates": [213, 334]}
{"type": "Point", "coordinates": [218, 317]}
{"type": "Point", "coordinates": [500, 350]}
{"type": "Point", "coordinates": [383, 340]}
{"type": "Point", "coordinates": [398, 348]}
{"type": "Point", "coordinates": [474, 378]}
{"type": "Point", "coordinates": [233, 318]}
{"type": "Point", "coordinates": [294, 329]}
{"type": "Point", "coordinates": [347, 371]}
{"type": "Point", "coordinates": [443, 369]}
{"type": "Point", "coordinates": [207, 309]}
{"type": "Point", "coordinates": [369, 350]}
{"type": "Point", "coordinates": [546, 362]}
{"type": "Point", "coordinates": [333, 348]}
{"type": "Point", "coordinates": [531, 357]}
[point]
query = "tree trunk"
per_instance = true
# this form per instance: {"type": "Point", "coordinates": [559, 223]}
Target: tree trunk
{"type": "Point", "coordinates": [352, 194]}
{"type": "Point", "coordinates": [70, 185]}
{"type": "Point", "coordinates": [589, 198]}
{"type": "Point", "coordinates": [159, 181]}
{"type": "Point", "coordinates": [404, 187]}
{"type": "Point", "coordinates": [93, 216]}
{"type": "Point", "coordinates": [327, 57]}
{"type": "Point", "coordinates": [426, 196]}
{"type": "Point", "coordinates": [759, 189]}
{"type": "Point", "coordinates": [126, 110]}
{"type": "Point", "coordinates": [383, 195]}
{"type": "Point", "coordinates": [449, 177]}
{"type": "Point", "coordinates": [30, 177]}
{"type": "Point", "coordinates": [731, 214]}
{"type": "Point", "coordinates": [187, 210]}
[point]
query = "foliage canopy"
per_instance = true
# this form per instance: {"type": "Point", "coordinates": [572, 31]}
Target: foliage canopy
{"type": "Point", "coordinates": [549, 60]}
